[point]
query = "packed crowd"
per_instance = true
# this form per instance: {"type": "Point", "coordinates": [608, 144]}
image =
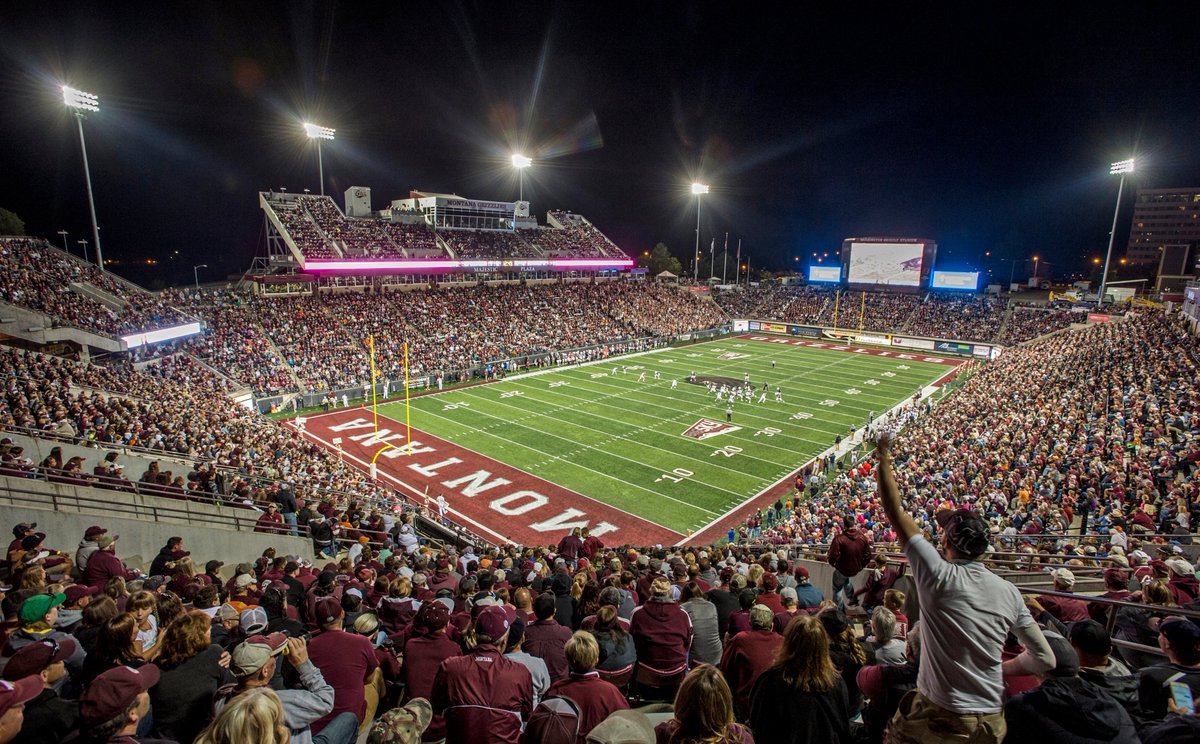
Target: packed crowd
{"type": "Point", "coordinates": [155, 412]}
{"type": "Point", "coordinates": [37, 276]}
{"type": "Point", "coordinates": [958, 316]}
{"type": "Point", "coordinates": [412, 240]}
{"type": "Point", "coordinates": [576, 239]}
{"type": "Point", "coordinates": [358, 237]}
{"type": "Point", "coordinates": [233, 341]}
{"type": "Point", "coordinates": [487, 244]}
{"type": "Point", "coordinates": [301, 226]}
{"type": "Point", "coordinates": [1026, 323]}
{"type": "Point", "coordinates": [401, 641]}
{"type": "Point", "coordinates": [1100, 422]}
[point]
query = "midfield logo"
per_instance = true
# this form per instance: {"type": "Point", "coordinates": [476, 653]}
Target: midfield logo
{"type": "Point", "coordinates": [705, 428]}
{"type": "Point", "coordinates": [733, 355]}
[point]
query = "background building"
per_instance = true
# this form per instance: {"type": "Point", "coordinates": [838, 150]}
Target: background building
{"type": "Point", "coordinates": [1161, 218]}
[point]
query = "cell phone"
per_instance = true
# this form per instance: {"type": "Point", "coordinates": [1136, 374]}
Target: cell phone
{"type": "Point", "coordinates": [1182, 695]}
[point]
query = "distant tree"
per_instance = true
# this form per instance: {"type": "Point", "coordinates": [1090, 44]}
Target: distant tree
{"type": "Point", "coordinates": [10, 223]}
{"type": "Point", "coordinates": [660, 260]}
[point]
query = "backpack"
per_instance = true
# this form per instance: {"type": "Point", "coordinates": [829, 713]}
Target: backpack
{"type": "Point", "coordinates": [555, 720]}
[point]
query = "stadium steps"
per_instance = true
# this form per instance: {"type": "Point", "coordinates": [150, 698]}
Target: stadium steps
{"type": "Point", "coordinates": [92, 292]}
{"type": "Point", "coordinates": [38, 328]}
{"type": "Point", "coordinates": [64, 511]}
{"type": "Point", "coordinates": [445, 246]}
{"type": "Point", "coordinates": [1008, 313]}
{"type": "Point", "coordinates": [278, 352]}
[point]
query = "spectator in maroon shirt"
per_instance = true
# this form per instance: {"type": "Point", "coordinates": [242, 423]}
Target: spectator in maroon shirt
{"type": "Point", "coordinates": [1116, 583]}
{"type": "Point", "coordinates": [1066, 610]}
{"type": "Point", "coordinates": [546, 639]}
{"type": "Point", "coordinates": [484, 696]}
{"type": "Point", "coordinates": [739, 621]}
{"type": "Point", "coordinates": [661, 630]}
{"type": "Point", "coordinates": [769, 592]}
{"type": "Point", "coordinates": [591, 544]}
{"type": "Point", "coordinates": [747, 656]}
{"type": "Point", "coordinates": [881, 577]}
{"type": "Point", "coordinates": [104, 564]}
{"type": "Point", "coordinates": [570, 547]}
{"type": "Point", "coordinates": [271, 520]}
{"type": "Point", "coordinates": [424, 651]}
{"type": "Point", "coordinates": [594, 697]}
{"type": "Point", "coordinates": [348, 663]}
{"type": "Point", "coordinates": [848, 553]}
{"type": "Point", "coordinates": [791, 608]}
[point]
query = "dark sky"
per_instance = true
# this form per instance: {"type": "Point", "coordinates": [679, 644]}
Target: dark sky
{"type": "Point", "coordinates": [983, 129]}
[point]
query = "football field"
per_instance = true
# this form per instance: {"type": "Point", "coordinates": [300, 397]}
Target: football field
{"type": "Point", "coordinates": [635, 434]}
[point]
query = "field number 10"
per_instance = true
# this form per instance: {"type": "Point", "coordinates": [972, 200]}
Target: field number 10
{"type": "Point", "coordinates": [675, 475]}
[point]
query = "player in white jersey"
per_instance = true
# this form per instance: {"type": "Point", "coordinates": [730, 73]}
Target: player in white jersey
{"type": "Point", "coordinates": [746, 377]}
{"type": "Point", "coordinates": [642, 377]}
{"type": "Point", "coordinates": [778, 395]}
{"type": "Point", "coordinates": [674, 384]}
{"type": "Point", "coordinates": [762, 398]}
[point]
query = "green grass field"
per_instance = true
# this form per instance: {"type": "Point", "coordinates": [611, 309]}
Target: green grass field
{"type": "Point", "coordinates": [621, 441]}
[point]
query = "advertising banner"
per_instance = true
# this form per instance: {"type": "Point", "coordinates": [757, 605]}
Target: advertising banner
{"type": "Point", "coordinates": [1098, 317]}
{"type": "Point", "coordinates": [755, 325]}
{"type": "Point", "coordinates": [982, 351]}
{"type": "Point", "coordinates": [867, 338]}
{"type": "Point", "coordinates": [741, 326]}
{"type": "Point", "coordinates": [806, 331]}
{"type": "Point", "coordinates": [953, 347]}
{"type": "Point", "coordinates": [774, 327]}
{"type": "Point", "coordinates": [913, 343]}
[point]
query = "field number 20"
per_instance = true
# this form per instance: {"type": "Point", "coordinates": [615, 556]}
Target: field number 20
{"type": "Point", "coordinates": [675, 475]}
{"type": "Point", "coordinates": [726, 451]}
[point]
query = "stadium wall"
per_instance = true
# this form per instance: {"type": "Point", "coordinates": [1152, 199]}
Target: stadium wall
{"type": "Point", "coordinates": [940, 346]}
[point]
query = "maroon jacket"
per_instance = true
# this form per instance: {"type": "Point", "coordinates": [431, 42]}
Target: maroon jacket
{"type": "Point", "coordinates": [1066, 610]}
{"type": "Point", "coordinates": [746, 656]}
{"type": "Point", "coordinates": [483, 696]}
{"type": "Point", "coordinates": [570, 548]}
{"type": "Point", "coordinates": [594, 697]}
{"type": "Point", "coordinates": [772, 600]}
{"type": "Point", "coordinates": [662, 634]}
{"type": "Point", "coordinates": [849, 552]}
{"type": "Point", "coordinates": [102, 566]}
{"type": "Point", "coordinates": [547, 640]}
{"type": "Point", "coordinates": [422, 657]}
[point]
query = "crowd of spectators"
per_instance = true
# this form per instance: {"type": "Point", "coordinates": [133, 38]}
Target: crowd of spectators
{"type": "Point", "coordinates": [1027, 323]}
{"type": "Point", "coordinates": [1101, 421]}
{"type": "Point", "coordinates": [411, 240]}
{"type": "Point", "coordinates": [579, 239]}
{"type": "Point", "coordinates": [789, 303]}
{"type": "Point", "coordinates": [233, 341]}
{"type": "Point", "coordinates": [38, 276]}
{"type": "Point", "coordinates": [301, 226]}
{"type": "Point", "coordinates": [968, 317]}
{"type": "Point", "coordinates": [468, 244]}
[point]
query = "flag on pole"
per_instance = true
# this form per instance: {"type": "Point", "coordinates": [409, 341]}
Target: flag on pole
{"type": "Point", "coordinates": [712, 246]}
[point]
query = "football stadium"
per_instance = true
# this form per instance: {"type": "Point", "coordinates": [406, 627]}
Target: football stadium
{"type": "Point", "coordinates": [408, 465]}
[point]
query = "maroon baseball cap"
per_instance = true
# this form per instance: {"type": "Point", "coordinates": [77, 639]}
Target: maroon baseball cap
{"type": "Point", "coordinates": [35, 657]}
{"type": "Point", "coordinates": [770, 582]}
{"type": "Point", "coordinates": [328, 609]}
{"type": "Point", "coordinates": [111, 694]}
{"type": "Point", "coordinates": [492, 622]}
{"type": "Point", "coordinates": [801, 572]}
{"type": "Point", "coordinates": [93, 532]}
{"type": "Point", "coordinates": [76, 592]}
{"type": "Point", "coordinates": [17, 693]}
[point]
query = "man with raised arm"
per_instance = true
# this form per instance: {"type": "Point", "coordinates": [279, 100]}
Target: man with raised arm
{"type": "Point", "coordinates": [966, 614]}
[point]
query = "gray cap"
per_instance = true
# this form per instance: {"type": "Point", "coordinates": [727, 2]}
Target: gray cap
{"type": "Point", "coordinates": [788, 594]}
{"type": "Point", "coordinates": [623, 727]}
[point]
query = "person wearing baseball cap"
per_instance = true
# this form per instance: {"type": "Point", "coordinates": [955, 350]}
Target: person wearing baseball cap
{"type": "Point", "coordinates": [1093, 645]}
{"type": "Point", "coordinates": [428, 645]}
{"type": "Point", "coordinates": [479, 693]}
{"type": "Point", "coordinates": [348, 661]}
{"type": "Point", "coordinates": [70, 614]}
{"type": "Point", "coordinates": [253, 665]}
{"type": "Point", "coordinates": [37, 616]}
{"type": "Point", "coordinates": [1064, 609]}
{"type": "Point", "coordinates": [113, 705]}
{"type": "Point", "coordinates": [13, 697]}
{"type": "Point", "coordinates": [48, 718]}
{"type": "Point", "coordinates": [87, 546]}
{"type": "Point", "coordinates": [402, 725]}
{"type": "Point", "coordinates": [967, 615]}
{"type": "Point", "coordinates": [1179, 639]}
{"type": "Point", "coordinates": [104, 564]}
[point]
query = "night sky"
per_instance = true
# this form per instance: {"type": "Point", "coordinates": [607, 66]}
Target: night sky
{"type": "Point", "coordinates": [983, 130]}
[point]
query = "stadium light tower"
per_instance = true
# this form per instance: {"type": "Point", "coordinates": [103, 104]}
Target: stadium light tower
{"type": "Point", "coordinates": [1121, 168]}
{"type": "Point", "coordinates": [521, 162]}
{"type": "Point", "coordinates": [80, 104]}
{"type": "Point", "coordinates": [319, 133]}
{"type": "Point", "coordinates": [698, 189]}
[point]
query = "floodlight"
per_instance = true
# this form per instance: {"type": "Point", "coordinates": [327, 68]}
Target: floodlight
{"type": "Point", "coordinates": [317, 132]}
{"type": "Point", "coordinates": [1123, 166]}
{"type": "Point", "coordinates": [77, 99]}
{"type": "Point", "coordinates": [699, 188]}
{"type": "Point", "coordinates": [521, 161]}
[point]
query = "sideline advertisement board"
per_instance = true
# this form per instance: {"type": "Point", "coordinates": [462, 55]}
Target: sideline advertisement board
{"type": "Point", "coordinates": [982, 351]}
{"type": "Point", "coordinates": [806, 331]}
{"type": "Point", "coordinates": [773, 327]}
{"type": "Point", "coordinates": [953, 347]}
{"type": "Point", "coordinates": [1098, 317]}
{"type": "Point", "coordinates": [913, 343]}
{"type": "Point", "coordinates": [741, 326]}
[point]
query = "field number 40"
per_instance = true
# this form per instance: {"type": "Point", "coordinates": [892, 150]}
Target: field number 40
{"type": "Point", "coordinates": [675, 475]}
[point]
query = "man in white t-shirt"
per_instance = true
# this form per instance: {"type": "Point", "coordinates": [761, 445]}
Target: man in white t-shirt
{"type": "Point", "coordinates": [966, 615]}
{"type": "Point", "coordinates": [443, 507]}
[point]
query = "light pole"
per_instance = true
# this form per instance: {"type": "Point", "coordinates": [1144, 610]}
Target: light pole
{"type": "Point", "coordinates": [698, 189]}
{"type": "Point", "coordinates": [65, 248]}
{"type": "Point", "coordinates": [1035, 268]}
{"type": "Point", "coordinates": [85, 253]}
{"type": "Point", "coordinates": [521, 162]}
{"type": "Point", "coordinates": [79, 103]}
{"type": "Point", "coordinates": [196, 274]}
{"type": "Point", "coordinates": [319, 133]}
{"type": "Point", "coordinates": [1121, 167]}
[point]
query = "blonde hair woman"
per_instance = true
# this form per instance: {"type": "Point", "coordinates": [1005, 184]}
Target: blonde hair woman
{"type": "Point", "coordinates": [255, 715]}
